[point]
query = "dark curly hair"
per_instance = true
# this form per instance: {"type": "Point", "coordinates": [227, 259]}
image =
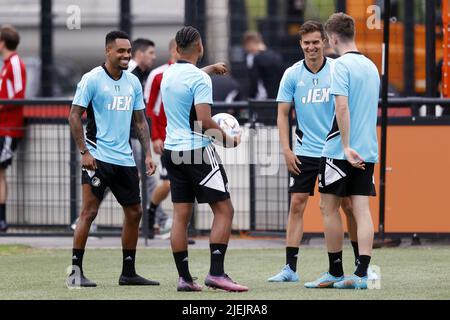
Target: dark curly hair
{"type": "Point", "coordinates": [186, 36]}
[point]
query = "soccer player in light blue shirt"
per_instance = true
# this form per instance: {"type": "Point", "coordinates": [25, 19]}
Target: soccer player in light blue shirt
{"type": "Point", "coordinates": [112, 98]}
{"type": "Point", "coordinates": [195, 171]}
{"type": "Point", "coordinates": [307, 84]}
{"type": "Point", "coordinates": [351, 149]}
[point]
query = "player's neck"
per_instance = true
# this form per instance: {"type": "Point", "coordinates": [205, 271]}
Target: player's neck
{"type": "Point", "coordinates": [189, 58]}
{"type": "Point", "coordinates": [116, 73]}
{"type": "Point", "coordinates": [7, 53]}
{"type": "Point", "coordinates": [347, 47]}
{"type": "Point", "coordinates": [315, 64]}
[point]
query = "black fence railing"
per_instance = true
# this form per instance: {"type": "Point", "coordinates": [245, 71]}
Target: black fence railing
{"type": "Point", "coordinates": [44, 180]}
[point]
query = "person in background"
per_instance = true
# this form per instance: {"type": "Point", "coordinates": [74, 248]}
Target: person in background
{"type": "Point", "coordinates": [264, 65]}
{"type": "Point", "coordinates": [13, 79]}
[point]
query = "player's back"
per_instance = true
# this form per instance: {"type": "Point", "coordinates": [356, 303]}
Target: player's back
{"type": "Point", "coordinates": [183, 86]}
{"type": "Point", "coordinates": [356, 77]}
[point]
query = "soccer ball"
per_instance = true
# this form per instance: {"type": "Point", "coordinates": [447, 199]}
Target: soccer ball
{"type": "Point", "coordinates": [227, 123]}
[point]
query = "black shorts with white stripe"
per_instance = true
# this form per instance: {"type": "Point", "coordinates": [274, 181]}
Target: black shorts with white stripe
{"type": "Point", "coordinates": [162, 169]}
{"type": "Point", "coordinates": [8, 146]}
{"type": "Point", "coordinates": [305, 182]}
{"type": "Point", "coordinates": [196, 174]}
{"type": "Point", "coordinates": [340, 178]}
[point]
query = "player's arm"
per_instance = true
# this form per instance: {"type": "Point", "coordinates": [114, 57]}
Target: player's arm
{"type": "Point", "coordinates": [212, 129]}
{"type": "Point", "coordinates": [219, 68]}
{"type": "Point", "coordinates": [76, 128]}
{"type": "Point", "coordinates": [343, 120]}
{"type": "Point", "coordinates": [143, 134]}
{"type": "Point", "coordinates": [283, 130]}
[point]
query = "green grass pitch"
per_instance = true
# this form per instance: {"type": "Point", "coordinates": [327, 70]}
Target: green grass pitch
{"type": "Point", "coordinates": [406, 273]}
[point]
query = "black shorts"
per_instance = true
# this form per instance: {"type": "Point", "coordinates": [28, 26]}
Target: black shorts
{"type": "Point", "coordinates": [340, 178]}
{"type": "Point", "coordinates": [163, 169]}
{"type": "Point", "coordinates": [306, 180]}
{"type": "Point", "coordinates": [8, 146]}
{"type": "Point", "coordinates": [196, 174]}
{"type": "Point", "coordinates": [122, 181]}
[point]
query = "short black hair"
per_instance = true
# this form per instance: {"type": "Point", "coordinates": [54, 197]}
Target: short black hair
{"type": "Point", "coordinates": [186, 36]}
{"type": "Point", "coordinates": [117, 34]}
{"type": "Point", "coordinates": [10, 36]}
{"type": "Point", "coordinates": [140, 44]}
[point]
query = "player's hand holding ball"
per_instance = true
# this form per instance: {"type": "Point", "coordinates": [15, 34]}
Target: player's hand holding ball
{"type": "Point", "coordinates": [232, 129]}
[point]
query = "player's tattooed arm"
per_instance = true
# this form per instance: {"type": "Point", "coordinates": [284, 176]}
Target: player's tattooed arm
{"type": "Point", "coordinates": [76, 127]}
{"type": "Point", "coordinates": [143, 134]}
{"type": "Point", "coordinates": [142, 130]}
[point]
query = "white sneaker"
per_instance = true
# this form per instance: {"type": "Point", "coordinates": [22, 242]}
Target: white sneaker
{"type": "Point", "coordinates": [371, 275]}
{"type": "Point", "coordinates": [93, 228]}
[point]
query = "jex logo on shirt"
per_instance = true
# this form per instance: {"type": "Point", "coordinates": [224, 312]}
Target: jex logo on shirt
{"type": "Point", "coordinates": [120, 103]}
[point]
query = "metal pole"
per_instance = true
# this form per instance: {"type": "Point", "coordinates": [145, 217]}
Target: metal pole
{"type": "Point", "coordinates": [341, 6]}
{"type": "Point", "coordinates": [125, 16]}
{"type": "Point", "coordinates": [384, 109]}
{"type": "Point", "coordinates": [73, 180]}
{"type": "Point", "coordinates": [190, 12]}
{"type": "Point", "coordinates": [195, 16]}
{"type": "Point", "coordinates": [46, 48]}
{"type": "Point", "coordinates": [408, 66]}
{"type": "Point", "coordinates": [430, 44]}
{"type": "Point", "coordinates": [252, 167]}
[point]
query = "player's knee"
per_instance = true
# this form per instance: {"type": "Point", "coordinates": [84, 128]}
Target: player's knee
{"type": "Point", "coordinates": [298, 203]}
{"type": "Point", "coordinates": [134, 215]}
{"type": "Point", "coordinates": [166, 186]}
{"type": "Point", "coordinates": [347, 207]}
{"type": "Point", "coordinates": [89, 214]}
{"type": "Point", "coordinates": [322, 207]}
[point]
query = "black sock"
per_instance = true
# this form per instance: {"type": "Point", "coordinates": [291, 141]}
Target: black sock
{"type": "Point", "coordinates": [182, 263]}
{"type": "Point", "coordinates": [3, 212]}
{"type": "Point", "coordinates": [77, 259]}
{"type": "Point", "coordinates": [363, 264]}
{"type": "Point", "coordinates": [151, 214]}
{"type": "Point", "coordinates": [291, 257]}
{"type": "Point", "coordinates": [335, 260]}
{"type": "Point", "coordinates": [217, 251]}
{"type": "Point", "coordinates": [128, 269]}
{"type": "Point", "coordinates": [355, 251]}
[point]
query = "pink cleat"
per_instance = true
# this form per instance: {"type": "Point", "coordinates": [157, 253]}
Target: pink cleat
{"type": "Point", "coordinates": [184, 285]}
{"type": "Point", "coordinates": [224, 282]}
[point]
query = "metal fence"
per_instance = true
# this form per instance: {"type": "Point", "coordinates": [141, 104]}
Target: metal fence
{"type": "Point", "coordinates": [44, 180]}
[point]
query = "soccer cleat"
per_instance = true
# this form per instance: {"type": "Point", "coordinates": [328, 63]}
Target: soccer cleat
{"type": "Point", "coordinates": [286, 275]}
{"type": "Point", "coordinates": [185, 286]}
{"type": "Point", "coordinates": [224, 282]}
{"type": "Point", "coordinates": [73, 281]}
{"type": "Point", "coordinates": [351, 282]}
{"type": "Point", "coordinates": [136, 280]}
{"type": "Point", "coordinates": [3, 226]}
{"type": "Point", "coordinates": [326, 280]}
